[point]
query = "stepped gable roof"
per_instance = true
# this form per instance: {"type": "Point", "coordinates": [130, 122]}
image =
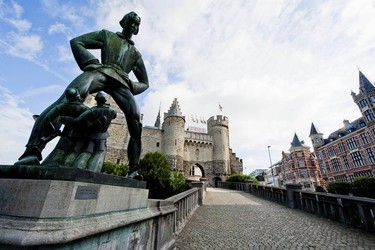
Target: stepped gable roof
{"type": "Point", "coordinates": [175, 110]}
{"type": "Point", "coordinates": [364, 83]}
{"type": "Point", "coordinates": [296, 142]}
{"type": "Point", "coordinates": [314, 130]}
{"type": "Point", "coordinates": [353, 126]}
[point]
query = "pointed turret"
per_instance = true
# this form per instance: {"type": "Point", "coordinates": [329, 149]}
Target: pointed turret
{"type": "Point", "coordinates": [364, 84]}
{"type": "Point", "coordinates": [313, 130]}
{"type": "Point", "coordinates": [157, 122]}
{"type": "Point", "coordinates": [316, 136]}
{"type": "Point", "coordinates": [296, 142]}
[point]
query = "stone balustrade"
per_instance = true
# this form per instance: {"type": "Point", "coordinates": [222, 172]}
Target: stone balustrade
{"type": "Point", "coordinates": [351, 210]}
{"type": "Point", "coordinates": [186, 203]}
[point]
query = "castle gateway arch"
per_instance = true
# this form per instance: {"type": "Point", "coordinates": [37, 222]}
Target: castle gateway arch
{"type": "Point", "coordinates": [196, 172]}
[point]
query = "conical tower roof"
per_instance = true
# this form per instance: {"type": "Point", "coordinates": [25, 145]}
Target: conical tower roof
{"type": "Point", "coordinates": [175, 110]}
{"type": "Point", "coordinates": [364, 84]}
{"type": "Point", "coordinates": [157, 122]}
{"type": "Point", "coordinates": [296, 142]}
{"type": "Point", "coordinates": [314, 130]}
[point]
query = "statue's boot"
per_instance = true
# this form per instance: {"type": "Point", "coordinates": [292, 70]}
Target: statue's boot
{"type": "Point", "coordinates": [32, 156]}
{"type": "Point", "coordinates": [133, 173]}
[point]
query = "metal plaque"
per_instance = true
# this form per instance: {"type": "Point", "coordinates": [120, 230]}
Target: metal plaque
{"type": "Point", "coordinates": [86, 192]}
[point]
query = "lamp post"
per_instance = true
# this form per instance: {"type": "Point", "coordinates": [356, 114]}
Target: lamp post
{"type": "Point", "coordinates": [269, 155]}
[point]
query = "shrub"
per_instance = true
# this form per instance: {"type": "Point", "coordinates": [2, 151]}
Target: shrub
{"type": "Point", "coordinates": [178, 183]}
{"type": "Point", "coordinates": [340, 187]}
{"type": "Point", "coordinates": [319, 189]}
{"type": "Point", "coordinates": [242, 178]}
{"type": "Point", "coordinates": [364, 186]}
{"type": "Point", "coordinates": [115, 169]}
{"type": "Point", "coordinates": [161, 182]}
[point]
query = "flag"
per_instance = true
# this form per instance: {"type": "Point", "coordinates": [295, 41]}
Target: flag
{"type": "Point", "coordinates": [220, 107]}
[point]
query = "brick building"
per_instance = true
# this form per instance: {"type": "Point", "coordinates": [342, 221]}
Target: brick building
{"type": "Point", "coordinates": [300, 166]}
{"type": "Point", "coordinates": [349, 152]}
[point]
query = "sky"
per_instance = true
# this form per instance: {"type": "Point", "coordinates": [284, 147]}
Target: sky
{"type": "Point", "coordinates": [275, 66]}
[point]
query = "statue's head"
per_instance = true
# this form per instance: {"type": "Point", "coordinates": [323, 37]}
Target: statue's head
{"type": "Point", "coordinates": [130, 22]}
{"type": "Point", "coordinates": [100, 98]}
{"type": "Point", "coordinates": [72, 94]}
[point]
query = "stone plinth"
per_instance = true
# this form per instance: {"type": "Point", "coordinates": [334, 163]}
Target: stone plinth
{"type": "Point", "coordinates": [63, 199]}
{"type": "Point", "coordinates": [54, 207]}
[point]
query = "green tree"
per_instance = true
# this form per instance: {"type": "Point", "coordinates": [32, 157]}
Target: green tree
{"type": "Point", "coordinates": [242, 178]}
{"type": "Point", "coordinates": [364, 186]}
{"type": "Point", "coordinates": [338, 187]}
{"type": "Point", "coordinates": [115, 169]}
{"type": "Point", "coordinates": [178, 183]}
{"type": "Point", "coordinates": [161, 182]}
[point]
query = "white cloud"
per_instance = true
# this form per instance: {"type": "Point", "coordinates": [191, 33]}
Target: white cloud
{"type": "Point", "coordinates": [24, 46]}
{"type": "Point", "coordinates": [58, 28]}
{"type": "Point", "coordinates": [21, 25]}
{"type": "Point", "coordinates": [15, 124]}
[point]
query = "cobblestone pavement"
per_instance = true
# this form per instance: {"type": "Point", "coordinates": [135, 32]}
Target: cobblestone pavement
{"type": "Point", "coordinates": [237, 220]}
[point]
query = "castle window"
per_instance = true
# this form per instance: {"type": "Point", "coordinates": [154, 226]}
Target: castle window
{"type": "Point", "coordinates": [369, 115]}
{"type": "Point", "coordinates": [157, 144]}
{"type": "Point", "coordinates": [192, 172]}
{"type": "Point", "coordinates": [319, 155]}
{"type": "Point", "coordinates": [352, 143]}
{"type": "Point", "coordinates": [331, 151]}
{"type": "Point", "coordinates": [346, 162]}
{"type": "Point", "coordinates": [371, 155]}
{"type": "Point", "coordinates": [364, 138]}
{"type": "Point", "coordinates": [372, 98]}
{"type": "Point", "coordinates": [341, 147]}
{"type": "Point", "coordinates": [118, 161]}
{"type": "Point", "coordinates": [363, 103]}
{"type": "Point", "coordinates": [335, 165]}
{"type": "Point", "coordinates": [357, 158]}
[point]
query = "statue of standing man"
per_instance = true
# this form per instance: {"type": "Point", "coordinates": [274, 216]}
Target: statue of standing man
{"type": "Point", "coordinates": [118, 57]}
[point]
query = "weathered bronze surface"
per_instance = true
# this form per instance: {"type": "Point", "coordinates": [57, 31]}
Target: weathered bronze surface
{"type": "Point", "coordinates": [118, 58]}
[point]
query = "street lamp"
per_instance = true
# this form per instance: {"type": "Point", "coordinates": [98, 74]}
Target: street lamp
{"type": "Point", "coordinates": [269, 155]}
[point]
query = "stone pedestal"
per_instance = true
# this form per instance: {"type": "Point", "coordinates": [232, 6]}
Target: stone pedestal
{"type": "Point", "coordinates": [54, 207]}
{"type": "Point", "coordinates": [290, 189]}
{"type": "Point", "coordinates": [200, 185]}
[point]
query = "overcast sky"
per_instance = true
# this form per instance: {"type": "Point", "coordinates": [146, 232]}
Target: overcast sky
{"type": "Point", "coordinates": [274, 66]}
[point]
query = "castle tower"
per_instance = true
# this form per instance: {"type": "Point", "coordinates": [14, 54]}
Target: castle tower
{"type": "Point", "coordinates": [365, 99]}
{"type": "Point", "coordinates": [316, 137]}
{"type": "Point", "coordinates": [173, 136]}
{"type": "Point", "coordinates": [218, 129]}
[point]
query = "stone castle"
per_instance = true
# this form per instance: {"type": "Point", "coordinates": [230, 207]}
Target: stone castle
{"type": "Point", "coordinates": [194, 154]}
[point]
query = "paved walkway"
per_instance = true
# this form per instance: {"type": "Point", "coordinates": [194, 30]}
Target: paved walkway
{"type": "Point", "coordinates": [237, 220]}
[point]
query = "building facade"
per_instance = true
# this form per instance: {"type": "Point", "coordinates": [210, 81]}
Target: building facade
{"type": "Point", "coordinates": [349, 152]}
{"type": "Point", "coordinates": [194, 154]}
{"type": "Point", "coordinates": [300, 166]}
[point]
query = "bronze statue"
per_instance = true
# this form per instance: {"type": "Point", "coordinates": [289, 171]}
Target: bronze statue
{"type": "Point", "coordinates": [95, 122]}
{"type": "Point", "coordinates": [118, 57]}
{"type": "Point", "coordinates": [70, 135]}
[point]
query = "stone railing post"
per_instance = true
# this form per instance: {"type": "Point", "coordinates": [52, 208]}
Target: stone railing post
{"type": "Point", "coordinates": [205, 181]}
{"type": "Point", "coordinates": [290, 189]}
{"type": "Point", "coordinates": [199, 185]}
